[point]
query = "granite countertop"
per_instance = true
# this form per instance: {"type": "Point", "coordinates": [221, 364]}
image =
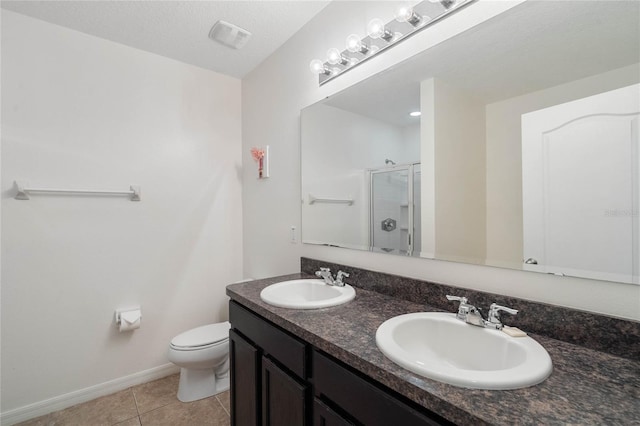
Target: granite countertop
{"type": "Point", "coordinates": [586, 386]}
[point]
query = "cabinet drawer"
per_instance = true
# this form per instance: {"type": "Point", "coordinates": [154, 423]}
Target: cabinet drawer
{"type": "Point", "coordinates": [364, 401]}
{"type": "Point", "coordinates": [288, 350]}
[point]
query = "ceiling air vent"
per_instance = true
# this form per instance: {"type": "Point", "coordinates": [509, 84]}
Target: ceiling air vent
{"type": "Point", "coordinates": [229, 34]}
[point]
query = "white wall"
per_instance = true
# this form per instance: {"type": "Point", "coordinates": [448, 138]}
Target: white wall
{"type": "Point", "coordinates": [341, 146]}
{"type": "Point", "coordinates": [82, 112]}
{"type": "Point", "coordinates": [460, 206]}
{"type": "Point", "coordinates": [428, 169]}
{"type": "Point", "coordinates": [410, 152]}
{"type": "Point", "coordinates": [453, 173]}
{"type": "Point", "coordinates": [273, 96]}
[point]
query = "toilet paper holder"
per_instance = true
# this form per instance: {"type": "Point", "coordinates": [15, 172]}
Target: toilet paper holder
{"type": "Point", "coordinates": [129, 318]}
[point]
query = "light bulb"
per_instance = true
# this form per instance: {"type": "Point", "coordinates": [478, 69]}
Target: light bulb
{"type": "Point", "coordinates": [415, 114]}
{"type": "Point", "coordinates": [375, 29]}
{"type": "Point", "coordinates": [403, 13]}
{"type": "Point", "coordinates": [406, 14]}
{"type": "Point", "coordinates": [317, 67]}
{"type": "Point", "coordinates": [355, 45]}
{"type": "Point", "coordinates": [334, 57]}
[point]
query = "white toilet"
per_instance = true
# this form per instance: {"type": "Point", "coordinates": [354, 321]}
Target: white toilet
{"type": "Point", "coordinates": [202, 354]}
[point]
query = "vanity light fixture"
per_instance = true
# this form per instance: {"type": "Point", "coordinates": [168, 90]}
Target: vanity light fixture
{"type": "Point", "coordinates": [318, 67]}
{"type": "Point", "coordinates": [406, 14]}
{"type": "Point", "coordinates": [408, 21]}
{"type": "Point", "coordinates": [376, 29]}
{"type": "Point", "coordinates": [334, 57]}
{"type": "Point", "coordinates": [356, 45]}
{"type": "Point", "coordinates": [446, 3]}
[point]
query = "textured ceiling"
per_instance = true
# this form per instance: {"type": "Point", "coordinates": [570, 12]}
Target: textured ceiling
{"type": "Point", "coordinates": [179, 29]}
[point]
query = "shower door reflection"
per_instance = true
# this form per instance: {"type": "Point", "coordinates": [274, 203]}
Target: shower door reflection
{"type": "Point", "coordinates": [395, 209]}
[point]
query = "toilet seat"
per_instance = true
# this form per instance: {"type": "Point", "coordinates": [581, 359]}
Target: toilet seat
{"type": "Point", "coordinates": [202, 337]}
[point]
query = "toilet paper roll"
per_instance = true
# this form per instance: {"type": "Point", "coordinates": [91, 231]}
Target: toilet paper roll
{"type": "Point", "coordinates": [130, 320]}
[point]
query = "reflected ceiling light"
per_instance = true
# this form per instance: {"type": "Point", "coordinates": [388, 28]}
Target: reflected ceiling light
{"type": "Point", "coordinates": [415, 113]}
{"type": "Point", "coordinates": [381, 36]}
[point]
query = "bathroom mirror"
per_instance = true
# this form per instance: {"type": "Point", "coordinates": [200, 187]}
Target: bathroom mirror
{"type": "Point", "coordinates": [525, 156]}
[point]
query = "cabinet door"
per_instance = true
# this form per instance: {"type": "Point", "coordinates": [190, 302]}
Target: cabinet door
{"type": "Point", "coordinates": [245, 381]}
{"type": "Point", "coordinates": [325, 416]}
{"type": "Point", "coordinates": [283, 398]}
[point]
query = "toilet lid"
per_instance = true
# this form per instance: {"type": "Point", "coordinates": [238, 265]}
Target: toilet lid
{"type": "Point", "coordinates": [202, 336]}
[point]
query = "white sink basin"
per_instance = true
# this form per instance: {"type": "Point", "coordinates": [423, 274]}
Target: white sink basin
{"type": "Point", "coordinates": [441, 347]}
{"type": "Point", "coordinates": [306, 294]}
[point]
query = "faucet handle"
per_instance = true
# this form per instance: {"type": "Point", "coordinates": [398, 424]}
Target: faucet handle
{"type": "Point", "coordinates": [341, 274]}
{"type": "Point", "coordinates": [322, 271]}
{"type": "Point", "coordinates": [339, 277]}
{"type": "Point", "coordinates": [494, 312]}
{"type": "Point", "coordinates": [325, 274]}
{"type": "Point", "coordinates": [463, 308]}
{"type": "Point", "coordinates": [462, 300]}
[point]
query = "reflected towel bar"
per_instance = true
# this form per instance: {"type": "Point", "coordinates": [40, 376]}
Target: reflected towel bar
{"type": "Point", "coordinates": [313, 200]}
{"type": "Point", "coordinates": [23, 191]}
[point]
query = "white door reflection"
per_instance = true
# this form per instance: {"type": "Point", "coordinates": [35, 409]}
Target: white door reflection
{"type": "Point", "coordinates": [578, 219]}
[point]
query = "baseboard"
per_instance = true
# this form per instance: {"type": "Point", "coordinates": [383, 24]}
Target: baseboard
{"type": "Point", "coordinates": [41, 408]}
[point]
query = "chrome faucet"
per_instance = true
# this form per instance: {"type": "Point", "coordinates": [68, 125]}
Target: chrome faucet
{"type": "Point", "coordinates": [338, 282]}
{"type": "Point", "coordinates": [325, 274]}
{"type": "Point", "coordinates": [467, 312]}
{"type": "Point", "coordinates": [472, 315]}
{"type": "Point", "coordinates": [494, 320]}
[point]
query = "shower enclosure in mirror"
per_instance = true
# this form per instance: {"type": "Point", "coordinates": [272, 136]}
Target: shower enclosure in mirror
{"type": "Point", "coordinates": [394, 209]}
{"type": "Point", "coordinates": [528, 147]}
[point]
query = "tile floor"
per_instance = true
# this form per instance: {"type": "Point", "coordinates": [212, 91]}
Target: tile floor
{"type": "Point", "coordinates": [149, 404]}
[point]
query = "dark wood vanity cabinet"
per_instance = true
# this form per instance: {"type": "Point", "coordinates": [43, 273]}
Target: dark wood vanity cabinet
{"type": "Point", "coordinates": [323, 415]}
{"type": "Point", "coordinates": [268, 373]}
{"type": "Point", "coordinates": [245, 380]}
{"type": "Point", "coordinates": [362, 400]}
{"type": "Point", "coordinates": [279, 380]}
{"type": "Point", "coordinates": [284, 399]}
